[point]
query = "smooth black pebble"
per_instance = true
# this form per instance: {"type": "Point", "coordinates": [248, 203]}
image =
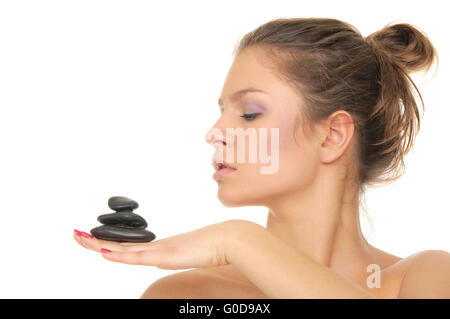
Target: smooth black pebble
{"type": "Point", "coordinates": [121, 234]}
{"type": "Point", "coordinates": [119, 203]}
{"type": "Point", "coordinates": [122, 225]}
{"type": "Point", "coordinates": [123, 219]}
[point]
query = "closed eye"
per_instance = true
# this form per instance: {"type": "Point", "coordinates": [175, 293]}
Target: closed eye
{"type": "Point", "coordinates": [250, 116]}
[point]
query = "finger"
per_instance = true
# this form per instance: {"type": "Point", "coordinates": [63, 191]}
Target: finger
{"type": "Point", "coordinates": [90, 242]}
{"type": "Point", "coordinates": [77, 238]}
{"type": "Point", "coordinates": [152, 256]}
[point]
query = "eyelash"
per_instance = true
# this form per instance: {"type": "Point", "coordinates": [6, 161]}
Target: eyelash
{"type": "Point", "coordinates": [247, 117]}
{"type": "Point", "coordinates": [251, 116]}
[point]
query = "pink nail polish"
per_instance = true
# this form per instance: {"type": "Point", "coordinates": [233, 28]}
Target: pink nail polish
{"type": "Point", "coordinates": [104, 250]}
{"type": "Point", "coordinates": [86, 235]}
{"type": "Point", "coordinates": [77, 232]}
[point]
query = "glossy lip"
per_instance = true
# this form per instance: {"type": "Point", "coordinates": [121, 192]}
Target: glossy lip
{"type": "Point", "coordinates": [221, 173]}
{"type": "Point", "coordinates": [216, 164]}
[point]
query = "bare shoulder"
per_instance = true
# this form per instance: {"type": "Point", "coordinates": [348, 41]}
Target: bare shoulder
{"type": "Point", "coordinates": [427, 275]}
{"type": "Point", "coordinates": [221, 282]}
{"type": "Point", "coordinates": [181, 285]}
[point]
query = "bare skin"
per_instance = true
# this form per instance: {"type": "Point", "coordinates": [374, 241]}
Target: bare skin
{"type": "Point", "coordinates": [227, 282]}
{"type": "Point", "coordinates": [310, 206]}
{"type": "Point", "coordinates": [312, 245]}
{"type": "Point", "coordinates": [223, 282]}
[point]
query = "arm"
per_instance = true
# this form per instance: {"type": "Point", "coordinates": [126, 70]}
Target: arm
{"type": "Point", "coordinates": [280, 271]}
{"type": "Point", "coordinates": [251, 248]}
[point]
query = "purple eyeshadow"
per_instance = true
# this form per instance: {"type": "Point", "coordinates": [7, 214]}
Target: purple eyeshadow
{"type": "Point", "coordinates": [253, 108]}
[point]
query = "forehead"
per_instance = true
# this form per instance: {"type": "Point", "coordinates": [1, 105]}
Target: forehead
{"type": "Point", "coordinates": [252, 64]}
{"type": "Point", "coordinates": [254, 68]}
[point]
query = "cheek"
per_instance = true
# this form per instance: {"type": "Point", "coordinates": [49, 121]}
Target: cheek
{"type": "Point", "coordinates": [293, 164]}
{"type": "Point", "coordinates": [296, 162]}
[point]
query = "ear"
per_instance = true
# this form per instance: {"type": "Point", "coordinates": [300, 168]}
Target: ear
{"type": "Point", "coordinates": [337, 135]}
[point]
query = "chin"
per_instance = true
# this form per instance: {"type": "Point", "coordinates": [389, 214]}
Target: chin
{"type": "Point", "coordinates": [228, 200]}
{"type": "Point", "coordinates": [233, 197]}
{"type": "Point", "coordinates": [229, 196]}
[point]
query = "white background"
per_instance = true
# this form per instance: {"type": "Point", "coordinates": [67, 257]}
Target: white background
{"type": "Point", "coordinates": [103, 98]}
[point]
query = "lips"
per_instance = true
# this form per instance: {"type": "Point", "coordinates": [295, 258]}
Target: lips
{"type": "Point", "coordinates": [221, 164]}
{"type": "Point", "coordinates": [222, 169]}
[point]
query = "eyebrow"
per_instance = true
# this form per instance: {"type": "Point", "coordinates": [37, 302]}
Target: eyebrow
{"type": "Point", "coordinates": [238, 94]}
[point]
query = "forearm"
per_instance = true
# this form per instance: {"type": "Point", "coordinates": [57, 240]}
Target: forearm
{"type": "Point", "coordinates": [280, 271]}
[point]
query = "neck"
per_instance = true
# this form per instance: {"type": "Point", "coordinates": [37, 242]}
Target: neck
{"type": "Point", "coordinates": [321, 221]}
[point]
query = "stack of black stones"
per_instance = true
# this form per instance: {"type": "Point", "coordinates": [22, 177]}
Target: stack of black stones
{"type": "Point", "coordinates": [123, 225]}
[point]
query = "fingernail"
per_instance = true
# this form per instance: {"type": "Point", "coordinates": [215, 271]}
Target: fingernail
{"type": "Point", "coordinates": [86, 235]}
{"type": "Point", "coordinates": [77, 232]}
{"type": "Point", "coordinates": [104, 250]}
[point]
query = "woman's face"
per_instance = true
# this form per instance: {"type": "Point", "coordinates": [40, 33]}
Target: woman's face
{"type": "Point", "coordinates": [292, 163]}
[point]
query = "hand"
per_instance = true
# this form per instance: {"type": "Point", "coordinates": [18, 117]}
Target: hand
{"type": "Point", "coordinates": [203, 247]}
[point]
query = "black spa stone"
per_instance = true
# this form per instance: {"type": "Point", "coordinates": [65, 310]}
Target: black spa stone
{"type": "Point", "coordinates": [124, 219]}
{"type": "Point", "coordinates": [122, 225]}
{"type": "Point", "coordinates": [119, 203]}
{"type": "Point", "coordinates": [121, 234]}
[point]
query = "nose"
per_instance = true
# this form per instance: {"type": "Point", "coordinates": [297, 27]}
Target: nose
{"type": "Point", "coordinates": [214, 136]}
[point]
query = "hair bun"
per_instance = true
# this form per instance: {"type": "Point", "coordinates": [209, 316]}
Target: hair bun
{"type": "Point", "coordinates": [406, 44]}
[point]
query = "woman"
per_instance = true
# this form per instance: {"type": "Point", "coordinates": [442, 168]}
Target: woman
{"type": "Point", "coordinates": [345, 115]}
